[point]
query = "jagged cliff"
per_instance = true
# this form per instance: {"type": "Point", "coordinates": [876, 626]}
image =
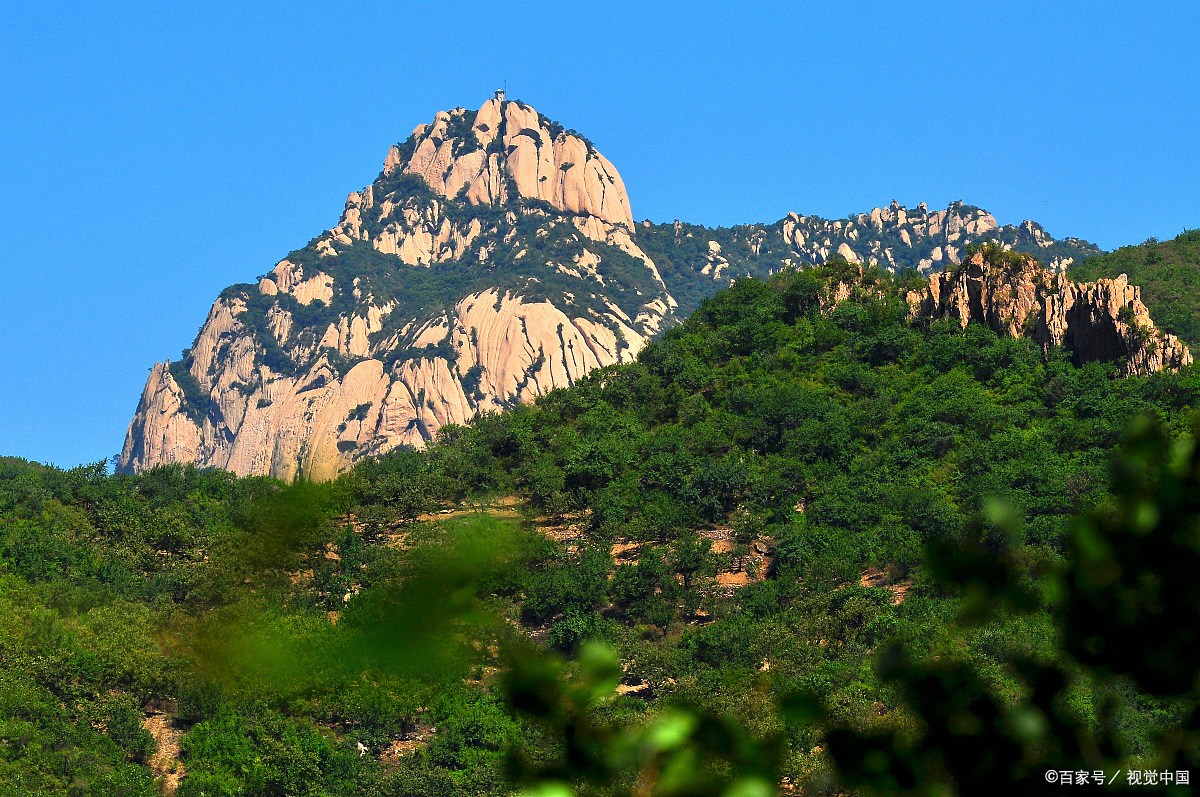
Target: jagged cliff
{"type": "Point", "coordinates": [495, 257]}
{"type": "Point", "coordinates": [1103, 320]}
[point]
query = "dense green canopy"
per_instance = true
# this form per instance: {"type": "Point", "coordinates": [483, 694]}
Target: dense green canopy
{"type": "Point", "coordinates": [742, 516]}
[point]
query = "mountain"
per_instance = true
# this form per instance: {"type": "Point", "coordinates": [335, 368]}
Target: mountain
{"type": "Point", "coordinates": [494, 258]}
{"type": "Point", "coordinates": [490, 261]}
{"type": "Point", "coordinates": [1102, 321]}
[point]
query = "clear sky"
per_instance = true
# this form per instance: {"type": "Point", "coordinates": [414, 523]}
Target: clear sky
{"type": "Point", "coordinates": [151, 154]}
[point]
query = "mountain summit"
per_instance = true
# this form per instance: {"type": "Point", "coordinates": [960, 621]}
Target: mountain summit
{"type": "Point", "coordinates": [495, 257]}
{"type": "Point", "coordinates": [492, 260]}
{"type": "Point", "coordinates": [505, 151]}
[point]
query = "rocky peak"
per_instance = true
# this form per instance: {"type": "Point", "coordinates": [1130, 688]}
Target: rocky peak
{"type": "Point", "coordinates": [506, 150]}
{"type": "Point", "coordinates": [492, 260]}
{"type": "Point", "coordinates": [429, 202]}
{"type": "Point", "coordinates": [1103, 320]}
{"type": "Point", "coordinates": [892, 238]}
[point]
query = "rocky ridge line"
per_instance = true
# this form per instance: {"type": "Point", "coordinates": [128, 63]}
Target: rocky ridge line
{"type": "Point", "coordinates": [934, 240]}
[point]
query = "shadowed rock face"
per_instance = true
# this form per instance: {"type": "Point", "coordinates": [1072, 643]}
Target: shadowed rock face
{"type": "Point", "coordinates": [1102, 320]}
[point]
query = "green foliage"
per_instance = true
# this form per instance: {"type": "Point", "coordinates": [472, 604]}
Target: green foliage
{"type": "Point", "coordinates": [1134, 602]}
{"type": "Point", "coordinates": [994, 255]}
{"type": "Point", "coordinates": [777, 500]}
{"type": "Point", "coordinates": [556, 130]}
{"type": "Point", "coordinates": [959, 730]}
{"type": "Point", "coordinates": [1125, 603]}
{"type": "Point", "coordinates": [470, 382]}
{"type": "Point", "coordinates": [678, 752]}
{"type": "Point", "coordinates": [196, 403]}
{"type": "Point", "coordinates": [66, 719]}
{"type": "Point", "coordinates": [259, 752]}
{"type": "Point", "coordinates": [646, 590]}
{"type": "Point", "coordinates": [461, 128]}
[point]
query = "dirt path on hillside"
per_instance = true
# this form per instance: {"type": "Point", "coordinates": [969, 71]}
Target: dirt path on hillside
{"type": "Point", "coordinates": [164, 764]}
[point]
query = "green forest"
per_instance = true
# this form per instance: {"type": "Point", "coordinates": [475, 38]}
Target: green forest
{"type": "Point", "coordinates": [797, 547]}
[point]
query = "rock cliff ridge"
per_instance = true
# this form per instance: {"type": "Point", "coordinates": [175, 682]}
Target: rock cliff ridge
{"type": "Point", "coordinates": [1102, 320]}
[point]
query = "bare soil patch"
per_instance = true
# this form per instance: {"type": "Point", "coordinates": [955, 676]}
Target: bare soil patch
{"type": "Point", "coordinates": [164, 764]}
{"type": "Point", "coordinates": [889, 579]}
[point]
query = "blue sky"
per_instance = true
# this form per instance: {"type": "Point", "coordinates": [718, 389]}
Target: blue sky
{"type": "Point", "coordinates": [151, 154]}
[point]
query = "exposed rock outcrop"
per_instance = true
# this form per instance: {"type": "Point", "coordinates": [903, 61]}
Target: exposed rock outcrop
{"type": "Point", "coordinates": [253, 420]}
{"type": "Point", "coordinates": [894, 238]}
{"type": "Point", "coordinates": [1102, 320]}
{"type": "Point", "coordinates": [493, 259]}
{"type": "Point", "coordinates": [507, 145]}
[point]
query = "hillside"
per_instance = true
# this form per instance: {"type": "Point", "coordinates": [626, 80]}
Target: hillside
{"type": "Point", "coordinates": [743, 512]}
{"type": "Point", "coordinates": [494, 258]}
{"type": "Point", "coordinates": [1167, 271]}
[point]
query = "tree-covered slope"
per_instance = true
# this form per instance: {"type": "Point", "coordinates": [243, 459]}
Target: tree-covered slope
{"type": "Point", "coordinates": [740, 514]}
{"type": "Point", "coordinates": [771, 398]}
{"type": "Point", "coordinates": [1168, 273]}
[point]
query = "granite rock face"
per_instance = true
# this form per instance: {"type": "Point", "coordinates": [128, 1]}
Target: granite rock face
{"type": "Point", "coordinates": [492, 260]}
{"type": "Point", "coordinates": [1103, 320]}
{"type": "Point", "coordinates": [893, 238]}
{"type": "Point", "coordinates": [507, 150]}
{"type": "Point", "coordinates": [318, 420]}
{"type": "Point", "coordinates": [928, 241]}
